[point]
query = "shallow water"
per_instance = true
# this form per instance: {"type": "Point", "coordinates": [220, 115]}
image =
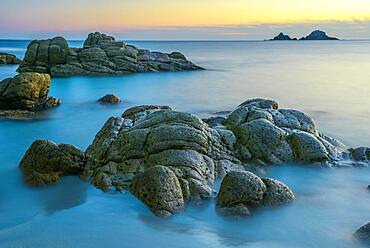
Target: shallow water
{"type": "Point", "coordinates": [329, 80]}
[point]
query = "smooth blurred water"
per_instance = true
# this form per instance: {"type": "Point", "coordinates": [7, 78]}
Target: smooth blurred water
{"type": "Point", "coordinates": [329, 80]}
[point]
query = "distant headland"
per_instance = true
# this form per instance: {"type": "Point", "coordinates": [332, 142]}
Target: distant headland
{"type": "Point", "coordinates": [315, 35]}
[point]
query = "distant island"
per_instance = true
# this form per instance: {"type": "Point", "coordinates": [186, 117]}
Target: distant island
{"type": "Point", "coordinates": [282, 36]}
{"type": "Point", "coordinates": [315, 35]}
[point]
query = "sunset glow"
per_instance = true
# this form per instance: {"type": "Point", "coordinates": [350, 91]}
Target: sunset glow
{"type": "Point", "coordinates": [119, 16]}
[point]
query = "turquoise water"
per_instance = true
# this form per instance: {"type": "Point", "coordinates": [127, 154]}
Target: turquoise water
{"type": "Point", "coordinates": [329, 80]}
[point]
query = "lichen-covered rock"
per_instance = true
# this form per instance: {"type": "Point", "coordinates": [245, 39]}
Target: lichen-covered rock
{"type": "Point", "coordinates": [100, 55]}
{"type": "Point", "coordinates": [110, 99]}
{"type": "Point", "coordinates": [363, 234]}
{"type": "Point", "coordinates": [240, 187]}
{"type": "Point", "coordinates": [159, 188]}
{"type": "Point", "coordinates": [278, 136]}
{"type": "Point", "coordinates": [9, 59]}
{"type": "Point", "coordinates": [241, 190]}
{"type": "Point", "coordinates": [276, 192]}
{"type": "Point", "coordinates": [26, 91]}
{"type": "Point", "coordinates": [46, 162]}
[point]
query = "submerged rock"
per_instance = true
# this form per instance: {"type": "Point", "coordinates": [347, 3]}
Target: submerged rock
{"type": "Point", "coordinates": [363, 234]}
{"type": "Point", "coordinates": [9, 59]}
{"type": "Point", "coordinates": [318, 35]}
{"type": "Point", "coordinates": [46, 162]}
{"type": "Point", "coordinates": [101, 55]}
{"type": "Point", "coordinates": [26, 92]}
{"type": "Point", "coordinates": [110, 99]}
{"type": "Point", "coordinates": [168, 158]}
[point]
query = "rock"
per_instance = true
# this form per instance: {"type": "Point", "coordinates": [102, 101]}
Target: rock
{"type": "Point", "coordinates": [318, 35]}
{"type": "Point", "coordinates": [27, 92]}
{"type": "Point", "coordinates": [100, 55]}
{"type": "Point", "coordinates": [240, 190]}
{"type": "Point", "coordinates": [282, 36]}
{"type": "Point", "coordinates": [46, 162]}
{"type": "Point", "coordinates": [159, 188]}
{"type": "Point", "coordinates": [240, 187]}
{"type": "Point", "coordinates": [360, 154]}
{"type": "Point", "coordinates": [110, 99]}
{"type": "Point", "coordinates": [278, 136]}
{"type": "Point", "coordinates": [9, 59]}
{"type": "Point", "coordinates": [215, 121]}
{"type": "Point", "coordinates": [363, 234]}
{"type": "Point", "coordinates": [276, 192]}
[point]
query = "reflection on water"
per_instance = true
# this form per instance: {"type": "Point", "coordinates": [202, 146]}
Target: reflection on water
{"type": "Point", "coordinates": [329, 80]}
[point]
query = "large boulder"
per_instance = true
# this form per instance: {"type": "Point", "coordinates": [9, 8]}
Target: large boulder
{"type": "Point", "coordinates": [160, 189]}
{"type": "Point", "coordinates": [109, 99]}
{"type": "Point", "coordinates": [100, 55]}
{"type": "Point", "coordinates": [46, 162]}
{"type": "Point", "coordinates": [9, 59]}
{"type": "Point", "coordinates": [242, 190]}
{"type": "Point", "coordinates": [26, 91]}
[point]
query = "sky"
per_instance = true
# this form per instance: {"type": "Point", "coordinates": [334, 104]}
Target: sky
{"type": "Point", "coordinates": [184, 19]}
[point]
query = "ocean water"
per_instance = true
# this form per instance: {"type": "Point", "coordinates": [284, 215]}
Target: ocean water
{"type": "Point", "coordinates": [329, 80]}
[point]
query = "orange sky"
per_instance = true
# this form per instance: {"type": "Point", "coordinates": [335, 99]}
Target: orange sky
{"type": "Point", "coordinates": [117, 15]}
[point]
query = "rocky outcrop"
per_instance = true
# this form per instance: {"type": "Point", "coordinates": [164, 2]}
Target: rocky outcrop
{"type": "Point", "coordinates": [26, 92]}
{"type": "Point", "coordinates": [363, 234]}
{"type": "Point", "coordinates": [9, 59]}
{"type": "Point", "coordinates": [318, 35]}
{"type": "Point", "coordinates": [109, 99]}
{"type": "Point", "coordinates": [241, 190]}
{"type": "Point", "coordinates": [274, 135]}
{"type": "Point", "coordinates": [282, 36]}
{"type": "Point", "coordinates": [46, 162]}
{"type": "Point", "coordinates": [168, 158]}
{"type": "Point", "coordinates": [101, 55]}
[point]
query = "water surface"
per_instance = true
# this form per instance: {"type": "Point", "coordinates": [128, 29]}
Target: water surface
{"type": "Point", "coordinates": [329, 80]}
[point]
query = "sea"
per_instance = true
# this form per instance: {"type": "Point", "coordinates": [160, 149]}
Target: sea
{"type": "Point", "coordinates": [329, 80]}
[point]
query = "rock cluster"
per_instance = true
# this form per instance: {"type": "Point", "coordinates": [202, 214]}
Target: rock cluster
{"type": "Point", "coordinates": [9, 59]}
{"type": "Point", "coordinates": [241, 190]}
{"type": "Point", "coordinates": [26, 92]}
{"type": "Point", "coordinates": [168, 158]}
{"type": "Point", "coordinates": [101, 55]}
{"type": "Point", "coordinates": [315, 35]}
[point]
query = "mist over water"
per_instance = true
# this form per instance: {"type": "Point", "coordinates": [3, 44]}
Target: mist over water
{"type": "Point", "coordinates": [329, 80]}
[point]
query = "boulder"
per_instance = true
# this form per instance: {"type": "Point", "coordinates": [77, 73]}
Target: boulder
{"type": "Point", "coordinates": [159, 188]}
{"type": "Point", "coordinates": [109, 99]}
{"type": "Point", "coordinates": [27, 91]}
{"type": "Point", "coordinates": [242, 190]}
{"type": "Point", "coordinates": [276, 192]}
{"type": "Point", "coordinates": [101, 54]}
{"type": "Point", "coordinates": [240, 187]}
{"type": "Point", "coordinates": [363, 234]}
{"type": "Point", "coordinates": [46, 162]}
{"type": "Point", "coordinates": [9, 59]}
